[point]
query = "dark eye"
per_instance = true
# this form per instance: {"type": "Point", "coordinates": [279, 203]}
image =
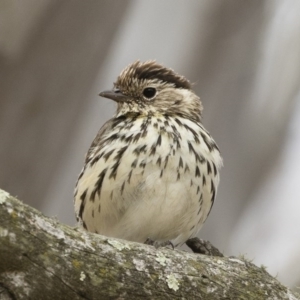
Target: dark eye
{"type": "Point", "coordinates": [149, 92]}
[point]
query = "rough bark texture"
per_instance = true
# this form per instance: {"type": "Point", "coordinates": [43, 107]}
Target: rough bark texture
{"type": "Point", "coordinates": [43, 259]}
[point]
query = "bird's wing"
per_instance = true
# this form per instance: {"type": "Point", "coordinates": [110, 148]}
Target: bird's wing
{"type": "Point", "coordinates": [97, 140]}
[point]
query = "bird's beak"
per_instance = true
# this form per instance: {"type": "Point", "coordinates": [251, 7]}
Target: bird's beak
{"type": "Point", "coordinates": [114, 95]}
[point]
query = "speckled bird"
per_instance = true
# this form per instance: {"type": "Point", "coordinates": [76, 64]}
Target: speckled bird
{"type": "Point", "coordinates": [152, 171]}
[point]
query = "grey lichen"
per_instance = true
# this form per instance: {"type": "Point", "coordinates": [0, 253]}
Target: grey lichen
{"type": "Point", "coordinates": [173, 283]}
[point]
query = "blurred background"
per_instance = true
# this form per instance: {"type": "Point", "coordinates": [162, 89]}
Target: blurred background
{"type": "Point", "coordinates": [244, 60]}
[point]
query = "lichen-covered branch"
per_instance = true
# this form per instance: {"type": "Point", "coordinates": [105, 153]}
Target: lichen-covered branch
{"type": "Point", "coordinates": [43, 259]}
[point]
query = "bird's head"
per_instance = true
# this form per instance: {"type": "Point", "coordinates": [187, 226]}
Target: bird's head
{"type": "Point", "coordinates": [150, 88]}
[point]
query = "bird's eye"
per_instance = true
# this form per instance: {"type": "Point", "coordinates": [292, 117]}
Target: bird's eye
{"type": "Point", "coordinates": [149, 92]}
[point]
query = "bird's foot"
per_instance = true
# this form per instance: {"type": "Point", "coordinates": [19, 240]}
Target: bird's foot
{"type": "Point", "coordinates": [203, 247]}
{"type": "Point", "coordinates": [157, 244]}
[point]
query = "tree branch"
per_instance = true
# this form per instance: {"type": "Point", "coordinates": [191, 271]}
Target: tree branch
{"type": "Point", "coordinates": [43, 259]}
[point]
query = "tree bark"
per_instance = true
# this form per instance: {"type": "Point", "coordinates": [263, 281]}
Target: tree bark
{"type": "Point", "coordinates": [43, 259]}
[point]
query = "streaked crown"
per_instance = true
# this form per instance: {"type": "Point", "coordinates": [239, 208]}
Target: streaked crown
{"type": "Point", "coordinates": [150, 71]}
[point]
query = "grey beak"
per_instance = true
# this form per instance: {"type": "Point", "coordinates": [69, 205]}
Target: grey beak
{"type": "Point", "coordinates": [114, 95]}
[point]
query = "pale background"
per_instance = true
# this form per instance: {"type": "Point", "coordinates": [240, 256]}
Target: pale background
{"type": "Point", "coordinates": [244, 58]}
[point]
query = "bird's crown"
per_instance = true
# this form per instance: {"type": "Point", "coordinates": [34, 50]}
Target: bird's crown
{"type": "Point", "coordinates": [150, 71]}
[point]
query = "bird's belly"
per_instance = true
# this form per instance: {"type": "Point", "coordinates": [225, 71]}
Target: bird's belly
{"type": "Point", "coordinates": [161, 197]}
{"type": "Point", "coordinates": [162, 208]}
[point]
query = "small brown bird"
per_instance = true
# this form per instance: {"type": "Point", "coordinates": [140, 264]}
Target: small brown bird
{"type": "Point", "coordinates": [152, 172]}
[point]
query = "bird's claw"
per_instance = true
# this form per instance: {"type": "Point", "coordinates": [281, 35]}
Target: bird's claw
{"type": "Point", "coordinates": [157, 244]}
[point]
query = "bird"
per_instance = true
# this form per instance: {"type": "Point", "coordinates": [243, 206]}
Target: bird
{"type": "Point", "coordinates": [152, 172]}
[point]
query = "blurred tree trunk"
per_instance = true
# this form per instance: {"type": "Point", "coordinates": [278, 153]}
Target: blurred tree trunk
{"type": "Point", "coordinates": [42, 259]}
{"type": "Point", "coordinates": [50, 54]}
